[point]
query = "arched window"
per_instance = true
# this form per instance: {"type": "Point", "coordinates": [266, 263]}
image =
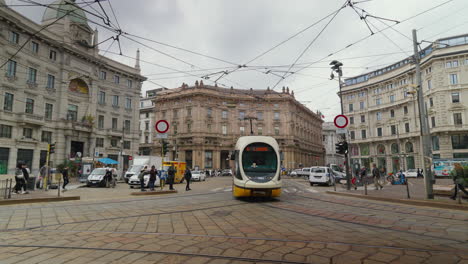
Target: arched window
{"type": "Point", "coordinates": [365, 150]}
{"type": "Point", "coordinates": [395, 148]}
{"type": "Point", "coordinates": [78, 86]}
{"type": "Point", "coordinates": [380, 149]}
{"type": "Point", "coordinates": [409, 147]}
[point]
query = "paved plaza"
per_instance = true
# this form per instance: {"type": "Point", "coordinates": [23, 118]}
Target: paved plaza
{"type": "Point", "coordinates": [207, 225]}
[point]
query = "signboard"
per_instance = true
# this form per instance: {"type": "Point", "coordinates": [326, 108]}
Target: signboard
{"type": "Point", "coordinates": [341, 130]}
{"type": "Point", "coordinates": [162, 126]}
{"type": "Point", "coordinates": [161, 135]}
{"type": "Point", "coordinates": [341, 121]}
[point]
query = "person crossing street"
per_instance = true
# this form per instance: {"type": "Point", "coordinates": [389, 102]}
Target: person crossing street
{"type": "Point", "coordinates": [376, 177]}
{"type": "Point", "coordinates": [188, 177]}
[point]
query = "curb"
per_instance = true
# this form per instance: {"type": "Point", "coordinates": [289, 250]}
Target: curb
{"type": "Point", "coordinates": [153, 193]}
{"type": "Point", "coordinates": [402, 201]}
{"type": "Point", "coordinates": [39, 200]}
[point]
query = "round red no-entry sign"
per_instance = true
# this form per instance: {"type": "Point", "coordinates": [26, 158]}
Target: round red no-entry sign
{"type": "Point", "coordinates": [341, 121]}
{"type": "Point", "coordinates": [162, 126]}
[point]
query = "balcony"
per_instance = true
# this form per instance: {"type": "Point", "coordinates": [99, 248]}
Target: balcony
{"type": "Point", "coordinates": [31, 119]}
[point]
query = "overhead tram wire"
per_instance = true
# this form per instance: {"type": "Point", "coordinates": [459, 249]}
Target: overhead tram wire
{"type": "Point", "coordinates": [389, 39]}
{"type": "Point", "coordinates": [311, 43]}
{"type": "Point", "coordinates": [113, 13]}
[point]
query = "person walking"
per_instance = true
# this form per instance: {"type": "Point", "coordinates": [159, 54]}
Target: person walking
{"type": "Point", "coordinates": [459, 179]}
{"type": "Point", "coordinates": [171, 177]}
{"type": "Point", "coordinates": [65, 178]}
{"type": "Point", "coordinates": [42, 175]}
{"type": "Point", "coordinates": [141, 177]}
{"type": "Point", "coordinates": [376, 177]}
{"type": "Point", "coordinates": [153, 173]}
{"type": "Point", "coordinates": [26, 172]}
{"type": "Point", "coordinates": [363, 174]}
{"type": "Point", "coordinates": [188, 177]}
{"type": "Point", "coordinates": [19, 178]}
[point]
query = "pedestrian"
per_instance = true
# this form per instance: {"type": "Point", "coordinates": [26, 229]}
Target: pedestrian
{"type": "Point", "coordinates": [363, 174]}
{"type": "Point", "coordinates": [376, 177]}
{"type": "Point", "coordinates": [65, 178]}
{"type": "Point", "coordinates": [354, 182]}
{"type": "Point", "coordinates": [188, 177]}
{"type": "Point", "coordinates": [19, 178]}
{"type": "Point", "coordinates": [162, 179]}
{"type": "Point", "coordinates": [141, 177]}
{"type": "Point", "coordinates": [459, 179]}
{"type": "Point", "coordinates": [42, 176]}
{"type": "Point", "coordinates": [170, 177]}
{"type": "Point", "coordinates": [153, 173]}
{"type": "Point", "coordinates": [26, 172]}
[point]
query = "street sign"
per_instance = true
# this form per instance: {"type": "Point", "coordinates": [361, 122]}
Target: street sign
{"type": "Point", "coordinates": [161, 135]}
{"type": "Point", "coordinates": [341, 121]}
{"type": "Point", "coordinates": [341, 130]}
{"type": "Point", "coordinates": [162, 126]}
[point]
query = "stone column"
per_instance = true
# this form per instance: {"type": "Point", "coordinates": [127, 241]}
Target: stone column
{"type": "Point", "coordinates": [12, 160]}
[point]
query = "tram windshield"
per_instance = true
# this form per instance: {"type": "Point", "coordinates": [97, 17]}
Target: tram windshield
{"type": "Point", "coordinates": [259, 160]}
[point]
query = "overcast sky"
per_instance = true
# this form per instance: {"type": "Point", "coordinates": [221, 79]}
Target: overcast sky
{"type": "Point", "coordinates": [237, 31]}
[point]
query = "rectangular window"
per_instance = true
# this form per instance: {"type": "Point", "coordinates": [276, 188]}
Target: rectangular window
{"type": "Point", "coordinates": [392, 98]}
{"type": "Point", "coordinates": [407, 128]}
{"type": "Point", "coordinates": [242, 130]}
{"type": "Point", "coordinates": [48, 111]}
{"type": "Point", "coordinates": [101, 97]}
{"type": "Point", "coordinates": [224, 129]}
{"type": "Point", "coordinates": [454, 63]}
{"type": "Point", "coordinates": [224, 114]}
{"type": "Point", "coordinates": [435, 143]}
{"type": "Point", "coordinates": [276, 116]}
{"type": "Point", "coordinates": [101, 122]}
{"type": "Point", "coordinates": [32, 75]}
{"type": "Point", "coordinates": [189, 111]}
{"type": "Point", "coordinates": [129, 84]}
{"type": "Point", "coordinates": [405, 110]}
{"type": "Point", "coordinates": [14, 37]}
{"type": "Point", "coordinates": [363, 118]}
{"type": "Point", "coordinates": [241, 115]}
{"type": "Point", "coordinates": [379, 131]}
{"type": "Point", "coordinates": [34, 47]}
{"type": "Point", "coordinates": [378, 101]}
{"type": "Point", "coordinates": [393, 130]}
{"type": "Point", "coordinates": [431, 102]}
{"type": "Point", "coordinates": [175, 113]}
{"type": "Point", "coordinates": [260, 131]}
{"type": "Point", "coordinates": [5, 131]}
{"type": "Point", "coordinates": [127, 126]}
{"type": "Point", "coordinates": [460, 141]}
{"type": "Point", "coordinates": [353, 135]}
{"type": "Point", "coordinates": [50, 81]}
{"type": "Point", "coordinates": [27, 132]}
{"type": "Point", "coordinates": [455, 97]}
{"type": "Point", "coordinates": [189, 128]}
{"type": "Point", "coordinates": [99, 142]}
{"type": "Point", "coordinates": [146, 126]}
{"type": "Point", "coordinates": [116, 79]}
{"type": "Point", "coordinates": [453, 78]}
{"type": "Point", "coordinates": [209, 112]}
{"type": "Point", "coordinates": [351, 120]}
{"type": "Point", "coordinates": [433, 122]}
{"type": "Point", "coordinates": [379, 116]}
{"type": "Point", "coordinates": [114, 123]}
{"type": "Point", "coordinates": [350, 107]}
{"type": "Point", "coordinates": [128, 103]}
{"type": "Point", "coordinates": [429, 84]}
{"type": "Point", "coordinates": [8, 102]}
{"type": "Point", "coordinates": [46, 137]}
{"type": "Point", "coordinates": [115, 100]}
{"type": "Point", "coordinates": [277, 131]}
{"type": "Point", "coordinates": [11, 68]}
{"type": "Point", "coordinates": [361, 105]}
{"type": "Point", "coordinates": [259, 115]}
{"type": "Point", "coordinates": [363, 134]}
{"type": "Point", "coordinates": [175, 129]}
{"type": "Point", "coordinates": [208, 159]}
{"type": "Point", "coordinates": [448, 64]}
{"type": "Point", "coordinates": [163, 113]}
{"type": "Point", "coordinates": [147, 139]}
{"type": "Point", "coordinates": [29, 106]}
{"type": "Point", "coordinates": [102, 75]}
{"type": "Point", "coordinates": [457, 119]}
{"type": "Point", "coordinates": [53, 55]}
{"type": "Point", "coordinates": [72, 112]}
{"type": "Point", "coordinates": [113, 143]}
{"type": "Point", "coordinates": [126, 144]}
{"type": "Point", "coordinates": [392, 113]}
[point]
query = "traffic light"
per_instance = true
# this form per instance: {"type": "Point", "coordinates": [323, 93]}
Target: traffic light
{"type": "Point", "coordinates": [164, 147]}
{"type": "Point", "coordinates": [52, 148]}
{"type": "Point", "coordinates": [342, 147]}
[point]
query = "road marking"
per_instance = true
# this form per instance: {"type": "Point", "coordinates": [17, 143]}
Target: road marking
{"type": "Point", "coordinates": [217, 190]}
{"type": "Point", "coordinates": [228, 189]}
{"type": "Point", "coordinates": [286, 191]}
{"type": "Point", "coordinates": [311, 190]}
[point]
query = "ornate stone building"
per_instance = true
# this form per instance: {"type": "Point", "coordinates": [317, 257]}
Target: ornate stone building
{"type": "Point", "coordinates": [58, 89]}
{"type": "Point", "coordinates": [147, 122]}
{"type": "Point", "coordinates": [330, 138]}
{"type": "Point", "coordinates": [206, 121]}
{"type": "Point", "coordinates": [383, 112]}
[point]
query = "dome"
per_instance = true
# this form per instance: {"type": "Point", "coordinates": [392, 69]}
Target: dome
{"type": "Point", "coordinates": [60, 8]}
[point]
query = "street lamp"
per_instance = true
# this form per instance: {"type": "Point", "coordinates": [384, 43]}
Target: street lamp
{"type": "Point", "coordinates": [336, 68]}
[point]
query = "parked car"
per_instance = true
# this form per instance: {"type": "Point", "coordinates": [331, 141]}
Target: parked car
{"type": "Point", "coordinates": [321, 175]}
{"type": "Point", "coordinates": [198, 176]}
{"type": "Point", "coordinates": [411, 173]}
{"type": "Point", "coordinates": [134, 181]}
{"type": "Point", "coordinates": [227, 172]}
{"type": "Point", "coordinates": [96, 178]}
{"type": "Point", "coordinates": [339, 176]}
{"type": "Point", "coordinates": [295, 173]}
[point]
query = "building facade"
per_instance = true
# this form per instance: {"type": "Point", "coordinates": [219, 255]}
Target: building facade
{"type": "Point", "coordinates": [206, 121]}
{"type": "Point", "coordinates": [59, 89]}
{"type": "Point", "coordinates": [147, 122]}
{"type": "Point", "coordinates": [330, 138]}
{"type": "Point", "coordinates": [383, 111]}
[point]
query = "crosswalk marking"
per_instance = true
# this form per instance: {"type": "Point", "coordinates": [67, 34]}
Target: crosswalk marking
{"type": "Point", "coordinates": [311, 190]}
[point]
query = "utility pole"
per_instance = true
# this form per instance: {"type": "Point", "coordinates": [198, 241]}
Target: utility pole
{"type": "Point", "coordinates": [336, 66]}
{"type": "Point", "coordinates": [425, 139]}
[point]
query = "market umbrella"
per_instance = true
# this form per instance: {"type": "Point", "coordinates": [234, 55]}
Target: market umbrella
{"type": "Point", "coordinates": [108, 161]}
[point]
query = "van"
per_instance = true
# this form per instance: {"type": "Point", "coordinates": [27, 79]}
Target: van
{"type": "Point", "coordinates": [321, 175]}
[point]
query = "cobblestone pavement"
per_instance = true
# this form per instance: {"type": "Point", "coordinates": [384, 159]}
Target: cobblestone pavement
{"type": "Point", "coordinates": [208, 226]}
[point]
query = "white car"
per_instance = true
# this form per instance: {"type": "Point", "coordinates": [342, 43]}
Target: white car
{"type": "Point", "coordinates": [321, 175]}
{"type": "Point", "coordinates": [134, 181]}
{"type": "Point", "coordinates": [411, 173]}
{"type": "Point", "coordinates": [198, 176]}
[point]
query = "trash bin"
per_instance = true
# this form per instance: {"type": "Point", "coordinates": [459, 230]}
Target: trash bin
{"type": "Point", "coordinates": [31, 184]}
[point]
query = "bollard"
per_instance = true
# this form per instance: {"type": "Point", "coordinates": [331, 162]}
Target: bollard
{"type": "Point", "coordinates": [58, 188]}
{"type": "Point", "coordinates": [6, 188]}
{"type": "Point", "coordinates": [365, 185]}
{"type": "Point", "coordinates": [9, 189]}
{"type": "Point", "coordinates": [459, 193]}
{"type": "Point", "coordinates": [407, 188]}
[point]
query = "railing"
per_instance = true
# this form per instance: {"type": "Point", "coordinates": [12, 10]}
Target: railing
{"type": "Point", "coordinates": [5, 189]}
